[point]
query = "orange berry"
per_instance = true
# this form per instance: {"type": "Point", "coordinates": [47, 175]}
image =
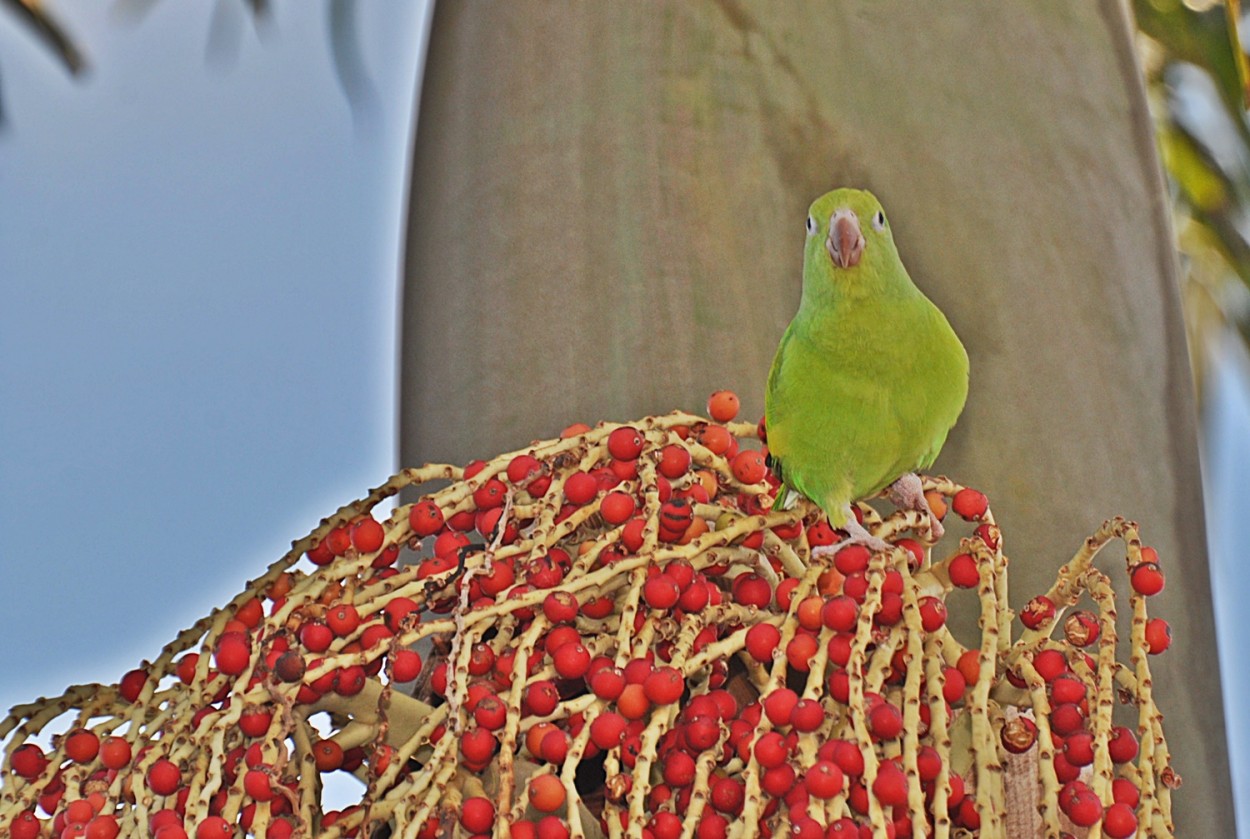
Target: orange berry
{"type": "Point", "coordinates": [546, 793]}
{"type": "Point", "coordinates": [633, 702]}
{"type": "Point", "coordinates": [573, 430]}
{"type": "Point", "coordinates": [830, 581]}
{"type": "Point", "coordinates": [937, 503]}
{"type": "Point", "coordinates": [809, 613]}
{"type": "Point", "coordinates": [534, 737]}
{"type": "Point", "coordinates": [723, 405]}
{"type": "Point", "coordinates": [698, 526]}
{"type": "Point", "coordinates": [970, 665]}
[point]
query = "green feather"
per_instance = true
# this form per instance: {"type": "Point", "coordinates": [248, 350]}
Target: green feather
{"type": "Point", "coordinates": [869, 377]}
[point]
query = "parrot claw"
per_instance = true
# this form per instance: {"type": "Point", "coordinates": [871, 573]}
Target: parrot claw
{"type": "Point", "coordinates": [906, 493]}
{"type": "Point", "coordinates": [857, 534]}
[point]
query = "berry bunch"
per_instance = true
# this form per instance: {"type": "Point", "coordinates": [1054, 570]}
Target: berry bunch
{"type": "Point", "coordinates": [612, 633]}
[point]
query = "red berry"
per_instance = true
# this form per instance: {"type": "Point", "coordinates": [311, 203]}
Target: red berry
{"type": "Point", "coordinates": [477, 746]}
{"type": "Point", "coordinates": [779, 706]}
{"type": "Point", "coordinates": [932, 613]}
{"type": "Point", "coordinates": [477, 815]}
{"type": "Point", "coordinates": [1066, 719]}
{"type": "Point", "coordinates": [114, 753]}
{"type": "Point", "coordinates": [848, 757]}
{"type": "Point", "coordinates": [885, 721]}
{"type": "Point", "coordinates": [425, 518]}
{"type": "Point", "coordinates": [928, 763]}
{"type": "Point", "coordinates": [608, 730]}
{"type": "Point", "coordinates": [762, 640]}
{"type": "Point", "coordinates": [1123, 744]}
{"type": "Point", "coordinates": [214, 827]}
{"type": "Point", "coordinates": [969, 504]}
{"type": "Point", "coordinates": [552, 827]}
{"type": "Point", "coordinates": [25, 825]}
{"type": "Point", "coordinates": [571, 660]}
{"type": "Point", "coordinates": [315, 636]}
{"type": "Point", "coordinates": [676, 516]}
{"type": "Point", "coordinates": [81, 745]}
{"type": "Point", "coordinates": [1119, 822]}
{"type": "Point", "coordinates": [256, 783]}
{"type": "Point", "coordinates": [1147, 578]}
{"type": "Point", "coordinates": [664, 686]}
{"type": "Point", "coordinates": [617, 507]}
{"type": "Point", "coordinates": [554, 746]}
{"type": "Point", "coordinates": [1050, 663]}
{"type": "Point", "coordinates": [1084, 808]}
{"type": "Point", "coordinates": [852, 559]}
{"type": "Point", "coordinates": [1067, 689]}
{"type": "Point", "coordinates": [541, 697]}
{"type": "Point", "coordinates": [1036, 612]}
{"type": "Point", "coordinates": [580, 488]}
{"type": "Point", "coordinates": [661, 592]}
{"type": "Point", "coordinates": [28, 761]}
{"type": "Point", "coordinates": [339, 540]}
{"type": "Point", "coordinates": [608, 682]}
{"type": "Point", "coordinates": [625, 443]}
{"type": "Point", "coordinates": [633, 702]}
{"type": "Point", "coordinates": [808, 715]}
{"type": "Point", "coordinates": [728, 795]}
{"type": "Point", "coordinates": [674, 461]}
{"type": "Point", "coordinates": [327, 755]}
{"type": "Point", "coordinates": [954, 686]}
{"type": "Point", "coordinates": [841, 613]}
{"type": "Point", "coordinates": [367, 535]}
{"type": "Point", "coordinates": [701, 732]}
{"type": "Point", "coordinates": [1125, 791]}
{"type": "Point", "coordinates": [232, 654]}
{"type": "Point", "coordinates": [750, 589]}
{"type": "Point", "coordinates": [254, 721]}
{"type": "Point", "coordinates": [1018, 734]}
{"type": "Point", "coordinates": [1078, 748]}
{"type": "Point", "coordinates": [164, 777]}
{"type": "Point", "coordinates": [963, 572]}
{"type": "Point", "coordinates": [1158, 635]}
{"type": "Point", "coordinates": [522, 468]}
{"type": "Point", "coordinates": [679, 769]}
{"type": "Point", "coordinates": [771, 750]}
{"type": "Point", "coordinates": [824, 780]}
{"type": "Point", "coordinates": [132, 684]}
{"type": "Point", "coordinates": [343, 619]}
{"type": "Point", "coordinates": [1081, 628]}
{"type": "Point", "coordinates": [560, 607]}
{"type": "Point", "coordinates": [890, 786]}
{"type": "Point", "coordinates": [716, 439]}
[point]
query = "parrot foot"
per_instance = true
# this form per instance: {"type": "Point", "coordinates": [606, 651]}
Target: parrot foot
{"type": "Point", "coordinates": [907, 494]}
{"type": "Point", "coordinates": [857, 534]}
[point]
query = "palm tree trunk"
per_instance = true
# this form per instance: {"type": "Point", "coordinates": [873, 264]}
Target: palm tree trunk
{"type": "Point", "coordinates": [606, 220]}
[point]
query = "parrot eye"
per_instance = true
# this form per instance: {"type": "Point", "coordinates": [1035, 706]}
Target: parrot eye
{"type": "Point", "coordinates": [811, 225]}
{"type": "Point", "coordinates": [878, 221]}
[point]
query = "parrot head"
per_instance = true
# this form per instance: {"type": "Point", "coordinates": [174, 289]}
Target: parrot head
{"type": "Point", "coordinates": [850, 249]}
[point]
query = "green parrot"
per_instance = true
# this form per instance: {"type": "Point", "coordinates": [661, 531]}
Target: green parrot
{"type": "Point", "coordinates": [869, 377]}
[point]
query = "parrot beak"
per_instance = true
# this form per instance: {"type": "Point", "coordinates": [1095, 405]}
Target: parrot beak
{"type": "Point", "coordinates": [845, 242]}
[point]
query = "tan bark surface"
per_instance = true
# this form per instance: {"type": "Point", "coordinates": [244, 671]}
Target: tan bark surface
{"type": "Point", "coordinates": [607, 216]}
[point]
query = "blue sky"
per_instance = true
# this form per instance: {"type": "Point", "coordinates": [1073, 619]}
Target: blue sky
{"type": "Point", "coordinates": [199, 254]}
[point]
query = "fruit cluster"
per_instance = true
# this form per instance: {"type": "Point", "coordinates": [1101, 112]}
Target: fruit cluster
{"type": "Point", "coordinates": [613, 633]}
